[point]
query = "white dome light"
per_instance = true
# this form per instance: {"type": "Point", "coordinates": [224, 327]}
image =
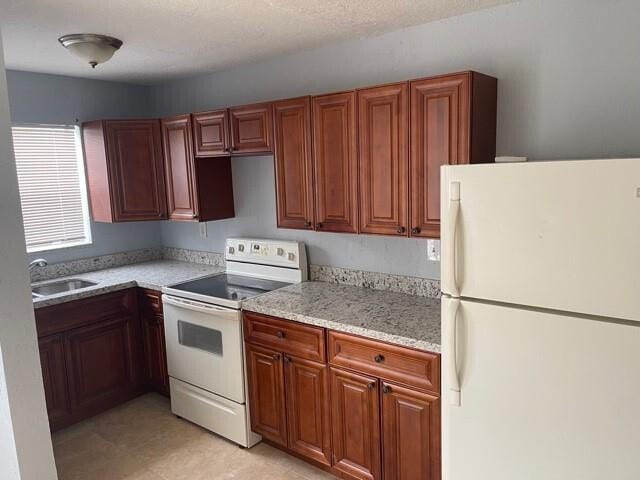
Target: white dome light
{"type": "Point", "coordinates": [91, 48]}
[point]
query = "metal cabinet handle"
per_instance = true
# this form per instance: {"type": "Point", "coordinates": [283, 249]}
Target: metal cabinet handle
{"type": "Point", "coordinates": [280, 334]}
{"type": "Point", "coordinates": [371, 385]}
{"type": "Point", "coordinates": [401, 230]}
{"type": "Point", "coordinates": [318, 225]}
{"type": "Point", "coordinates": [287, 359]}
{"type": "Point", "coordinates": [276, 356]}
{"type": "Point", "coordinates": [379, 358]}
{"type": "Point", "coordinates": [386, 389]}
{"type": "Point", "coordinates": [415, 230]}
{"type": "Point", "coordinates": [307, 224]}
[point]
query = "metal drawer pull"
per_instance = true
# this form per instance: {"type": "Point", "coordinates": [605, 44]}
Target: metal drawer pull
{"type": "Point", "coordinates": [276, 356]}
{"type": "Point", "coordinates": [280, 334]}
{"type": "Point", "coordinates": [386, 389]}
{"type": "Point", "coordinates": [379, 358]}
{"type": "Point", "coordinates": [287, 359]}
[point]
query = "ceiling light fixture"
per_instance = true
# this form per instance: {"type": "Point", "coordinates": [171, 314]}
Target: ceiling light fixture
{"type": "Point", "coordinates": [91, 48]}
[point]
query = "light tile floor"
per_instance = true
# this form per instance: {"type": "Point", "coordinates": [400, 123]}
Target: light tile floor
{"type": "Point", "coordinates": [142, 440]}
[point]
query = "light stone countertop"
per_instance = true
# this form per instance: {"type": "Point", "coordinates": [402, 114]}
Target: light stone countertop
{"type": "Point", "coordinates": [397, 318]}
{"type": "Point", "coordinates": [154, 275]}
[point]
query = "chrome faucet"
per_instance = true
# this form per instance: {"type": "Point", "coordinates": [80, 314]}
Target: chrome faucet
{"type": "Point", "coordinates": [39, 262]}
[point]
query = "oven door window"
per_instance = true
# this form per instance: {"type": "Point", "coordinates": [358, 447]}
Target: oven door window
{"type": "Point", "coordinates": [202, 338]}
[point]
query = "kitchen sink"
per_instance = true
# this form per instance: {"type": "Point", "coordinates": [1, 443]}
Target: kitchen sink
{"type": "Point", "coordinates": [61, 286]}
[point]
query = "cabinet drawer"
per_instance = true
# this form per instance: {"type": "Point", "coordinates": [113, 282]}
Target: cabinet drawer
{"type": "Point", "coordinates": [299, 340]}
{"type": "Point", "coordinates": [404, 365]}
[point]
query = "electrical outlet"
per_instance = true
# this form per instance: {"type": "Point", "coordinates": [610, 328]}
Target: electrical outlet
{"type": "Point", "coordinates": [203, 229]}
{"type": "Point", "coordinates": [433, 250]}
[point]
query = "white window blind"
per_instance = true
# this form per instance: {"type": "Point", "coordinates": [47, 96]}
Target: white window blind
{"type": "Point", "coordinates": [52, 186]}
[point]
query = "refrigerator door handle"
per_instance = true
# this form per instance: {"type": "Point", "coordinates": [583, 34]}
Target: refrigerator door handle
{"type": "Point", "coordinates": [453, 380]}
{"type": "Point", "coordinates": [452, 224]}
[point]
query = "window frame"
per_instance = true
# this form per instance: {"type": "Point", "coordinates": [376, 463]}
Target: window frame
{"type": "Point", "coordinates": [84, 196]}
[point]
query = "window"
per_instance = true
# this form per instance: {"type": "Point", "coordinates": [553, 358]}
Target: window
{"type": "Point", "coordinates": [52, 186]}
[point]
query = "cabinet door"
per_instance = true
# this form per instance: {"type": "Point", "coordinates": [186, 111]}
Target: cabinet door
{"type": "Point", "coordinates": [383, 118]}
{"type": "Point", "coordinates": [439, 136]}
{"type": "Point", "coordinates": [153, 340]}
{"type": "Point", "coordinates": [134, 155]}
{"type": "Point", "coordinates": [211, 133]}
{"type": "Point", "coordinates": [335, 162]}
{"type": "Point", "coordinates": [155, 352]}
{"type": "Point", "coordinates": [293, 164]}
{"type": "Point", "coordinates": [54, 377]}
{"type": "Point", "coordinates": [103, 361]}
{"type": "Point", "coordinates": [266, 393]}
{"type": "Point", "coordinates": [308, 420]}
{"type": "Point", "coordinates": [251, 129]}
{"type": "Point", "coordinates": [410, 434]}
{"type": "Point", "coordinates": [180, 167]}
{"type": "Point", "coordinates": [355, 411]}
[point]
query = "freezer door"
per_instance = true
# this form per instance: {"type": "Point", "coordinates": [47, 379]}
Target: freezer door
{"type": "Point", "coordinates": [541, 395]}
{"type": "Point", "coordinates": [562, 235]}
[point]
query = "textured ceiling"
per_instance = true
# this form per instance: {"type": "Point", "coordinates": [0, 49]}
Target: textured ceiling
{"type": "Point", "coordinates": [165, 39]}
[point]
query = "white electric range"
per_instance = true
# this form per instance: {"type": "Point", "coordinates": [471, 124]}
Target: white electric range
{"type": "Point", "coordinates": [203, 330]}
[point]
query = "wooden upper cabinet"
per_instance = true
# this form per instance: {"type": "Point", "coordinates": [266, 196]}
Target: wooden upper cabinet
{"type": "Point", "coordinates": [335, 162]}
{"type": "Point", "coordinates": [180, 167]}
{"type": "Point", "coordinates": [211, 133]}
{"type": "Point", "coordinates": [453, 121]}
{"type": "Point", "coordinates": [198, 188]}
{"type": "Point", "coordinates": [125, 173]}
{"type": "Point", "coordinates": [355, 423]}
{"type": "Point", "coordinates": [410, 434]}
{"type": "Point", "coordinates": [251, 129]}
{"type": "Point", "coordinates": [383, 117]}
{"type": "Point", "coordinates": [293, 163]}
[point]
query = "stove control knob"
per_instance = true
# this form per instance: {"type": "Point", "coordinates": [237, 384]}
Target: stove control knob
{"type": "Point", "coordinates": [232, 250]}
{"type": "Point", "coordinates": [291, 256]}
{"type": "Point", "coordinates": [241, 247]}
{"type": "Point", "coordinates": [280, 251]}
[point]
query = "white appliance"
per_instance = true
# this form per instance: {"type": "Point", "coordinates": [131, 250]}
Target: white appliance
{"type": "Point", "coordinates": [203, 329]}
{"type": "Point", "coordinates": [540, 311]}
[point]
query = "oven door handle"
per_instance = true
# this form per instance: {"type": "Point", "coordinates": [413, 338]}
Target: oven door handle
{"type": "Point", "coordinates": [196, 306]}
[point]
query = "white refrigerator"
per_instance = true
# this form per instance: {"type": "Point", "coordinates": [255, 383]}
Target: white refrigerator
{"type": "Point", "coordinates": [541, 321]}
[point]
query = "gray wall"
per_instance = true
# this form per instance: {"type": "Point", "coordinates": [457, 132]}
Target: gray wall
{"type": "Point", "coordinates": [41, 98]}
{"type": "Point", "coordinates": [567, 89]}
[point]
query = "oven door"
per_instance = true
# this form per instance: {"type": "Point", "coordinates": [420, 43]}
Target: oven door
{"type": "Point", "coordinates": [204, 346]}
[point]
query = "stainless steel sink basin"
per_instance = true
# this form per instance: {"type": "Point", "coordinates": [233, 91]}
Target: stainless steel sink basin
{"type": "Point", "coordinates": [61, 286]}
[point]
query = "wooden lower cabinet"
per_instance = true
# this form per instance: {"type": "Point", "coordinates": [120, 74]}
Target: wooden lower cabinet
{"type": "Point", "coordinates": [343, 414]}
{"type": "Point", "coordinates": [410, 434]}
{"type": "Point", "coordinates": [54, 378]}
{"type": "Point", "coordinates": [104, 364]}
{"type": "Point", "coordinates": [153, 341]}
{"type": "Point", "coordinates": [91, 355]}
{"type": "Point", "coordinates": [266, 394]}
{"type": "Point", "coordinates": [355, 408]}
{"type": "Point", "coordinates": [307, 403]}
